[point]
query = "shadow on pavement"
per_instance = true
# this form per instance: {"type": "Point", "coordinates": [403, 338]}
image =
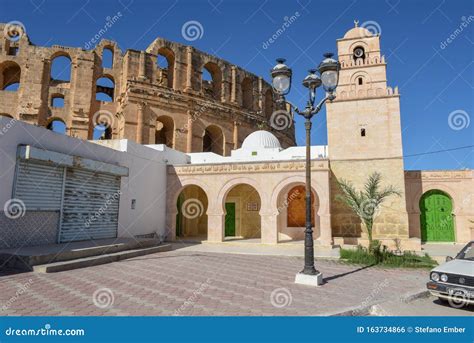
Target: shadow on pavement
{"type": "Point", "coordinates": [326, 279]}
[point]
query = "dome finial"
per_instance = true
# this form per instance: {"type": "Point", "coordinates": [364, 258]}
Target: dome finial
{"type": "Point", "coordinates": [356, 23]}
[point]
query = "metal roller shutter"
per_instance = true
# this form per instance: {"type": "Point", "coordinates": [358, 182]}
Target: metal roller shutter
{"type": "Point", "coordinates": [90, 206]}
{"type": "Point", "coordinates": [39, 185]}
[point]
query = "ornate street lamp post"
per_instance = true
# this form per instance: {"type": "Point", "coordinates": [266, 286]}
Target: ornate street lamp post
{"type": "Point", "coordinates": [328, 76]}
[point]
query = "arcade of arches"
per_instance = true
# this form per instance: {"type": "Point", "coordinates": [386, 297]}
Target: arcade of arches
{"type": "Point", "coordinates": [264, 201]}
{"type": "Point", "coordinates": [260, 205]}
{"type": "Point", "coordinates": [206, 139]}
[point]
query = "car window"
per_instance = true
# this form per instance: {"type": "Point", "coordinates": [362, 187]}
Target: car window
{"type": "Point", "coordinates": [467, 253]}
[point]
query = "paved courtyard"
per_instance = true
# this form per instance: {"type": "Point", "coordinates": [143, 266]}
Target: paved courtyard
{"type": "Point", "coordinates": [202, 284]}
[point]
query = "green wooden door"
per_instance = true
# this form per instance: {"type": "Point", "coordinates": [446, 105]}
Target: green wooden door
{"type": "Point", "coordinates": [230, 219]}
{"type": "Point", "coordinates": [436, 217]}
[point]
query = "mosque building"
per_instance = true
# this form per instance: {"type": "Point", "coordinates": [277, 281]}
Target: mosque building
{"type": "Point", "coordinates": [248, 186]}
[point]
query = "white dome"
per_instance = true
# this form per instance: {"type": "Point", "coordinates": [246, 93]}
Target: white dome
{"type": "Point", "coordinates": [261, 139]}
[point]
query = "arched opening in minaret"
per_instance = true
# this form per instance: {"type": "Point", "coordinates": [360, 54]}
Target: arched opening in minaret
{"type": "Point", "coordinates": [359, 53]}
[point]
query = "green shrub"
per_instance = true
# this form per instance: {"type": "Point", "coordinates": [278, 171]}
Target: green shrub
{"type": "Point", "coordinates": [379, 255]}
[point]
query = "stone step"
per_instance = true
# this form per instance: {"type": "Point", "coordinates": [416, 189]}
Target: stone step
{"type": "Point", "coordinates": [26, 258]}
{"type": "Point", "coordinates": [97, 260]}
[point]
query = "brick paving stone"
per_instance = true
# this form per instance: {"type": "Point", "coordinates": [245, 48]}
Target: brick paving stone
{"type": "Point", "coordinates": [186, 283]}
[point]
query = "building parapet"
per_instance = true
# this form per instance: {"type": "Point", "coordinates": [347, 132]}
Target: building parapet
{"type": "Point", "coordinates": [362, 62]}
{"type": "Point", "coordinates": [367, 93]}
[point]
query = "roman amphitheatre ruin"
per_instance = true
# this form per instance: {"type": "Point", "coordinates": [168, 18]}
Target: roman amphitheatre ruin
{"type": "Point", "coordinates": [169, 94]}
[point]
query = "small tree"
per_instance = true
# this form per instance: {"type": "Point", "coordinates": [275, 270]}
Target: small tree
{"type": "Point", "coordinates": [366, 203]}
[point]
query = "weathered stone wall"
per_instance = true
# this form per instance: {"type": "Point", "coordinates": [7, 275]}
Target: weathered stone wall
{"type": "Point", "coordinates": [391, 220]}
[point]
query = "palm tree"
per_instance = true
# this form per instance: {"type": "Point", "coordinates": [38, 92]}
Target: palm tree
{"type": "Point", "coordinates": [366, 203]}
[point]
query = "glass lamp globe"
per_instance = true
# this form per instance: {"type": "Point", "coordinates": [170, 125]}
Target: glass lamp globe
{"type": "Point", "coordinates": [281, 77]}
{"type": "Point", "coordinates": [329, 79]}
{"type": "Point", "coordinates": [281, 83]}
{"type": "Point", "coordinates": [329, 70]}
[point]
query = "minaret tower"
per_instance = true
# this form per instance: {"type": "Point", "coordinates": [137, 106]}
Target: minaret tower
{"type": "Point", "coordinates": [364, 134]}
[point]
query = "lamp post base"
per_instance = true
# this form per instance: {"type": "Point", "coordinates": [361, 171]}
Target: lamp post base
{"type": "Point", "coordinates": [309, 280]}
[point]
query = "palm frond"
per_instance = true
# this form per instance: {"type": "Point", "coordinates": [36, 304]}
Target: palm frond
{"type": "Point", "coordinates": [349, 195]}
{"type": "Point", "coordinates": [372, 185]}
{"type": "Point", "coordinates": [365, 202]}
{"type": "Point", "coordinates": [385, 193]}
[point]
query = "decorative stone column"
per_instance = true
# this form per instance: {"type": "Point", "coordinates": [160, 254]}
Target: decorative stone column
{"type": "Point", "coordinates": [175, 75]}
{"type": "Point", "coordinates": [233, 92]}
{"type": "Point", "coordinates": [189, 138]}
{"type": "Point", "coordinates": [142, 66]}
{"type": "Point", "coordinates": [140, 121]}
{"type": "Point", "coordinates": [269, 231]}
{"type": "Point", "coordinates": [260, 97]}
{"type": "Point", "coordinates": [189, 69]}
{"type": "Point", "coordinates": [236, 135]}
{"type": "Point", "coordinates": [223, 90]}
{"type": "Point", "coordinates": [215, 227]}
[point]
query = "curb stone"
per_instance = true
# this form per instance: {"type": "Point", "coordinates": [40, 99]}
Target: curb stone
{"type": "Point", "coordinates": [374, 309]}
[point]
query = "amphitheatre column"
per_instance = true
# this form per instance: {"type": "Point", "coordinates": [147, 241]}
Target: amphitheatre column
{"type": "Point", "coordinates": [175, 76]}
{"type": "Point", "coordinates": [260, 87]}
{"type": "Point", "coordinates": [233, 91]}
{"type": "Point", "coordinates": [189, 69]}
{"type": "Point", "coordinates": [189, 139]}
{"type": "Point", "coordinates": [236, 135]}
{"type": "Point", "coordinates": [142, 66]}
{"type": "Point", "coordinates": [140, 121]}
{"type": "Point", "coordinates": [223, 91]}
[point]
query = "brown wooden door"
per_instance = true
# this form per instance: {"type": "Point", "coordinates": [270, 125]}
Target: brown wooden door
{"type": "Point", "coordinates": [296, 210]}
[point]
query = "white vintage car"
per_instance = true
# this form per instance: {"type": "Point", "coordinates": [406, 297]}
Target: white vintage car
{"type": "Point", "coordinates": [453, 281]}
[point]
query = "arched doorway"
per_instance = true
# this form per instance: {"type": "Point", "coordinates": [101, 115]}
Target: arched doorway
{"type": "Point", "coordinates": [247, 94]}
{"type": "Point", "coordinates": [165, 66]}
{"type": "Point", "coordinates": [164, 133]}
{"type": "Point", "coordinates": [213, 140]}
{"type": "Point", "coordinates": [296, 211]}
{"type": "Point", "coordinates": [107, 57]}
{"type": "Point", "coordinates": [57, 101]}
{"type": "Point", "coordinates": [436, 217]}
{"type": "Point", "coordinates": [61, 68]}
{"type": "Point", "coordinates": [211, 80]}
{"type": "Point", "coordinates": [242, 213]}
{"type": "Point", "coordinates": [191, 219]}
{"type": "Point", "coordinates": [10, 75]}
{"type": "Point", "coordinates": [105, 87]}
{"type": "Point", "coordinates": [57, 125]}
{"type": "Point", "coordinates": [291, 219]}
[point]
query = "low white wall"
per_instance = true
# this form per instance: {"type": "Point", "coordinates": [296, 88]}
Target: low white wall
{"type": "Point", "coordinates": [147, 171]}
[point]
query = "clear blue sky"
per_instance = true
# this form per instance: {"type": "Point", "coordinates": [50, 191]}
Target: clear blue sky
{"type": "Point", "coordinates": [434, 80]}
